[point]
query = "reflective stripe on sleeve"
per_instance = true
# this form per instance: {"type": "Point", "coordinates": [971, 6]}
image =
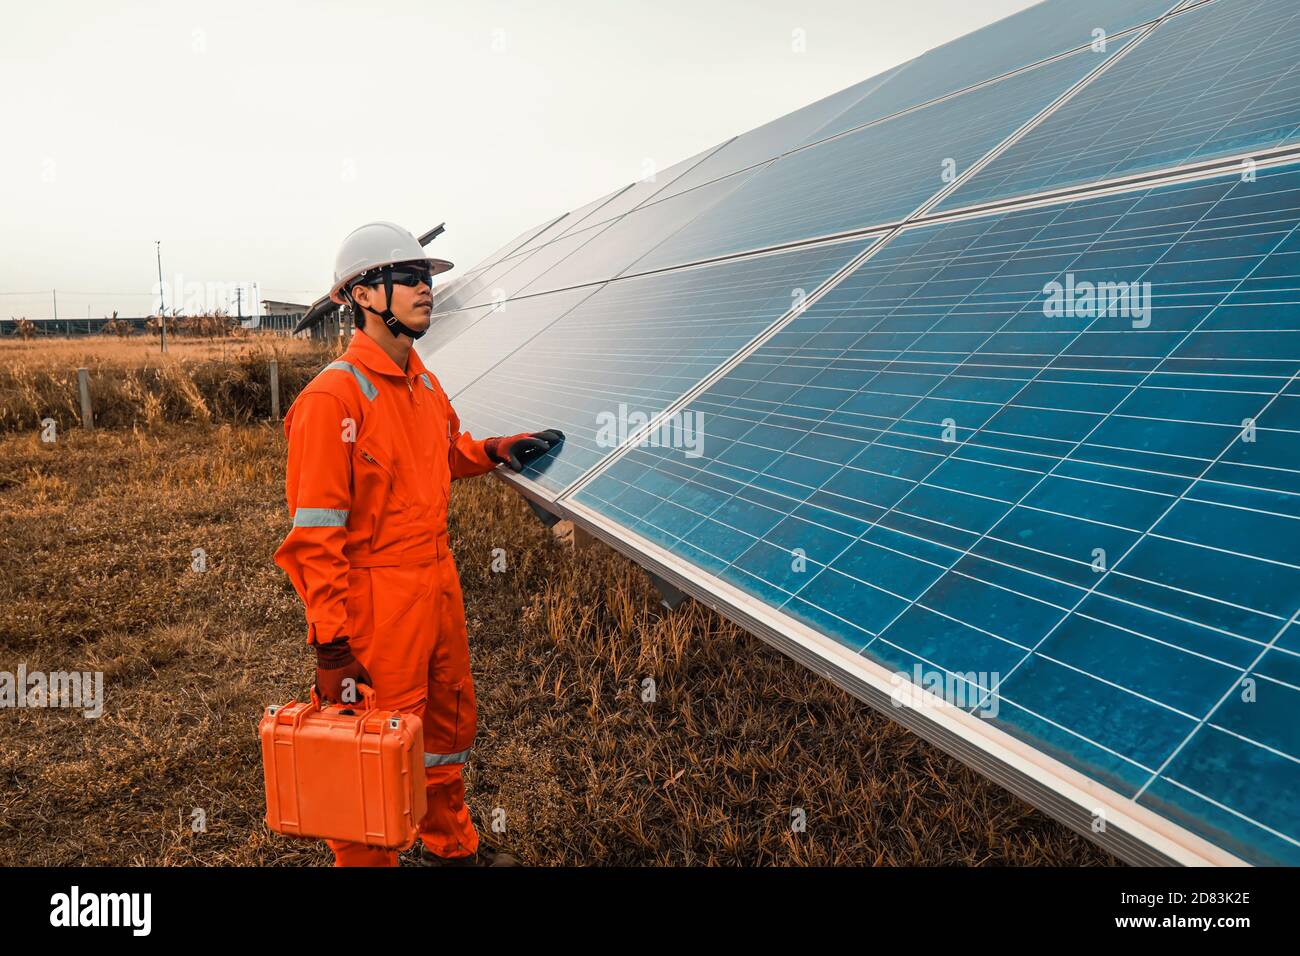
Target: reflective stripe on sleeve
{"type": "Point", "coordinates": [320, 518]}
{"type": "Point", "coordinates": [367, 387]}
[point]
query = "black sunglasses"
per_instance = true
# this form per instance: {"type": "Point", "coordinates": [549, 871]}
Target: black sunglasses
{"type": "Point", "coordinates": [406, 274]}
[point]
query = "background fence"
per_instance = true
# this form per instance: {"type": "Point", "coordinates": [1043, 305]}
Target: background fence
{"type": "Point", "coordinates": [275, 324]}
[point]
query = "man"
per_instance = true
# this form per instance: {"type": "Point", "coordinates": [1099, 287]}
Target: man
{"type": "Point", "coordinates": [373, 448]}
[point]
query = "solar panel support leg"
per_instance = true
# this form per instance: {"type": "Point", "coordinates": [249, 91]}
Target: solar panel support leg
{"type": "Point", "coordinates": [582, 539]}
{"type": "Point", "coordinates": [545, 517]}
{"type": "Point", "coordinates": [669, 595]}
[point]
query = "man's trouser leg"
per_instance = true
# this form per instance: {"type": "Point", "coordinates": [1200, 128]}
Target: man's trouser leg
{"type": "Point", "coordinates": [450, 717]}
{"type": "Point", "coordinates": [408, 631]}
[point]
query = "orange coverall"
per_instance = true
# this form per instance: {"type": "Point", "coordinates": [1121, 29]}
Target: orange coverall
{"type": "Point", "coordinates": [372, 454]}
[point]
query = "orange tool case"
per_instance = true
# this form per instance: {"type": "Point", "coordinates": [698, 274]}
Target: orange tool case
{"type": "Point", "coordinates": [343, 772]}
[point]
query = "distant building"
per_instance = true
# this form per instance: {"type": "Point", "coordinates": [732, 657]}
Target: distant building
{"type": "Point", "coordinates": [271, 307]}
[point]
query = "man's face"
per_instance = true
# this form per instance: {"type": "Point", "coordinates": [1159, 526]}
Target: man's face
{"type": "Point", "coordinates": [412, 305]}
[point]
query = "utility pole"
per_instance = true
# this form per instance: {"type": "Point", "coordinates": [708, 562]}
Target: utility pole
{"type": "Point", "coordinates": [239, 298]}
{"type": "Point", "coordinates": [162, 306]}
{"type": "Point", "coordinates": [55, 292]}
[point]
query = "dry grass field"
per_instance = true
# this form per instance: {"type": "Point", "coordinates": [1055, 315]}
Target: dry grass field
{"type": "Point", "coordinates": [96, 573]}
{"type": "Point", "coordinates": [133, 383]}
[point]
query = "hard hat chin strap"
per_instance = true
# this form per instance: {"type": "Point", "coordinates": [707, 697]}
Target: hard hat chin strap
{"type": "Point", "coordinates": [390, 320]}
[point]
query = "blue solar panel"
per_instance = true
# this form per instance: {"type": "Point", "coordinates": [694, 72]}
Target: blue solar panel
{"type": "Point", "coordinates": [446, 326]}
{"type": "Point", "coordinates": [1220, 79]}
{"type": "Point", "coordinates": [486, 335]}
{"type": "Point", "coordinates": [1083, 510]}
{"type": "Point", "coordinates": [770, 140]}
{"type": "Point", "coordinates": [522, 270]}
{"type": "Point", "coordinates": [872, 176]}
{"type": "Point", "coordinates": [1043, 31]}
{"type": "Point", "coordinates": [498, 276]}
{"type": "Point", "coordinates": [628, 350]}
{"type": "Point", "coordinates": [648, 189]}
{"type": "Point", "coordinates": [608, 249]}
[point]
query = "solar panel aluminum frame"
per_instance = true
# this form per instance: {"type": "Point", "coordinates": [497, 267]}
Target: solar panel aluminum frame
{"type": "Point", "coordinates": [1208, 169]}
{"type": "Point", "coordinates": [1131, 832]}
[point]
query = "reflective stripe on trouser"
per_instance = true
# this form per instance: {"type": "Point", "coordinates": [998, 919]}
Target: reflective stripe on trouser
{"type": "Point", "coordinates": [407, 627]}
{"type": "Point", "coordinates": [437, 760]}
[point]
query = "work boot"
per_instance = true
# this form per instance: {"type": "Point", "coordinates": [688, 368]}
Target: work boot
{"type": "Point", "coordinates": [485, 856]}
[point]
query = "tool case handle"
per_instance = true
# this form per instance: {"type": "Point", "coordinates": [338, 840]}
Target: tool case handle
{"type": "Point", "coordinates": [368, 699]}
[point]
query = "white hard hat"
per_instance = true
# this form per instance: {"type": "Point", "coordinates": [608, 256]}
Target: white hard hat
{"type": "Point", "coordinates": [377, 244]}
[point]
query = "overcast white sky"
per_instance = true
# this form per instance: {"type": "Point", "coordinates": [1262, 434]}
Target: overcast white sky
{"type": "Point", "coordinates": [250, 137]}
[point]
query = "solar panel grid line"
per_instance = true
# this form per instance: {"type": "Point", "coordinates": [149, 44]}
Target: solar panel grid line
{"type": "Point", "coordinates": [679, 343]}
{"type": "Point", "coordinates": [1215, 709]}
{"type": "Point", "coordinates": [656, 195]}
{"type": "Point", "coordinates": [1084, 412]}
{"type": "Point", "coordinates": [597, 206]}
{"type": "Point", "coordinates": [518, 249]}
{"type": "Point", "coordinates": [737, 359]}
{"type": "Point", "coordinates": [657, 421]}
{"type": "Point", "coordinates": [1103, 575]}
{"type": "Point", "coordinates": [729, 257]}
{"type": "Point", "coordinates": [684, 269]}
{"type": "Point", "coordinates": [1232, 810]}
{"type": "Point", "coordinates": [1192, 485]}
{"type": "Point", "coordinates": [1231, 686]}
{"type": "Point", "coordinates": [1115, 484]}
{"type": "Point", "coordinates": [1062, 727]}
{"type": "Point", "coordinates": [877, 520]}
{"type": "Point", "coordinates": [991, 560]}
{"type": "Point", "coordinates": [1210, 169]}
{"type": "Point", "coordinates": [753, 346]}
{"type": "Point", "coordinates": [885, 590]}
{"type": "Point", "coordinates": [707, 201]}
{"type": "Point", "coordinates": [1040, 510]}
{"type": "Point", "coordinates": [978, 80]}
{"type": "Point", "coordinates": [1134, 832]}
{"type": "Point", "coordinates": [523, 269]}
{"type": "Point", "coordinates": [1266, 159]}
{"type": "Point", "coordinates": [971, 171]}
{"type": "Point", "coordinates": [1202, 86]}
{"type": "Point", "coordinates": [1138, 35]}
{"type": "Point", "coordinates": [1262, 160]}
{"type": "Point", "coordinates": [1129, 33]}
{"type": "Point", "coordinates": [457, 390]}
{"type": "Point", "coordinates": [1031, 489]}
{"type": "Point", "coordinates": [510, 248]}
{"type": "Point", "coordinates": [766, 156]}
{"type": "Point", "coordinates": [803, 195]}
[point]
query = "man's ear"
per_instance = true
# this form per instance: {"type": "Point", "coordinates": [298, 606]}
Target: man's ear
{"type": "Point", "coordinates": [366, 296]}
